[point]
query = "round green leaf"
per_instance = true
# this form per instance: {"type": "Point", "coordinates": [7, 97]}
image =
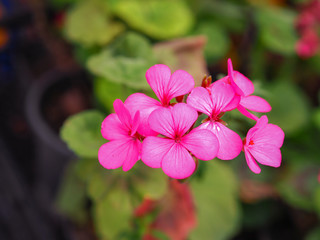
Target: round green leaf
{"type": "Point", "coordinates": [277, 29]}
{"type": "Point", "coordinates": [218, 40]}
{"type": "Point", "coordinates": [82, 133]}
{"type": "Point", "coordinates": [160, 19]}
{"type": "Point", "coordinates": [290, 107]}
{"type": "Point", "coordinates": [215, 196]}
{"type": "Point", "coordinates": [112, 214]}
{"type": "Point", "coordinates": [88, 24]}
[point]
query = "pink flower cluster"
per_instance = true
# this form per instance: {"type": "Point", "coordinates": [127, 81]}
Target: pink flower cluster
{"type": "Point", "coordinates": [308, 24]}
{"type": "Point", "coordinates": [162, 134]}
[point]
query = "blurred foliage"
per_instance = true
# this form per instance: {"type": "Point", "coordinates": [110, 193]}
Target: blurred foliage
{"type": "Point", "coordinates": [158, 19]}
{"type": "Point", "coordinates": [126, 62]}
{"type": "Point", "coordinates": [82, 133]}
{"type": "Point", "coordinates": [217, 210]}
{"type": "Point", "coordinates": [118, 40]}
{"type": "Point", "coordinates": [87, 24]}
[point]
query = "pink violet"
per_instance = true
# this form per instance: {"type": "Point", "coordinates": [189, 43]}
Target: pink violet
{"type": "Point", "coordinates": [262, 144]}
{"type": "Point", "coordinates": [124, 146]}
{"type": "Point", "coordinates": [172, 151]}
{"type": "Point", "coordinates": [166, 87]}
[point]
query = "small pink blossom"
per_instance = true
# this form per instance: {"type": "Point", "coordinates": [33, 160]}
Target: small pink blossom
{"type": "Point", "coordinates": [262, 144]}
{"type": "Point", "coordinates": [216, 100]}
{"type": "Point", "coordinates": [171, 152]}
{"type": "Point", "coordinates": [166, 86]}
{"type": "Point", "coordinates": [243, 88]}
{"type": "Point", "coordinates": [308, 45]}
{"type": "Point", "coordinates": [124, 147]}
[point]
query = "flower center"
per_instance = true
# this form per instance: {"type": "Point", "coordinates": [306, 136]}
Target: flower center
{"type": "Point", "coordinates": [251, 142]}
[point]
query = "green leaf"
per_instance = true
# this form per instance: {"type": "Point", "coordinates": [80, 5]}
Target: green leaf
{"type": "Point", "coordinates": [277, 30]}
{"type": "Point", "coordinates": [290, 107]}
{"type": "Point", "coordinates": [127, 66]}
{"type": "Point", "coordinates": [218, 40]}
{"type": "Point", "coordinates": [106, 92]}
{"type": "Point", "coordinates": [316, 118]}
{"type": "Point", "coordinates": [314, 234]}
{"type": "Point", "coordinates": [112, 214]}
{"type": "Point", "coordinates": [150, 182]}
{"type": "Point", "coordinates": [298, 185]}
{"type": "Point", "coordinates": [158, 19]}
{"type": "Point", "coordinates": [87, 23]}
{"type": "Point", "coordinates": [82, 133]}
{"type": "Point", "coordinates": [316, 200]}
{"type": "Point", "coordinates": [215, 196]}
{"type": "Point", "coordinates": [71, 199]}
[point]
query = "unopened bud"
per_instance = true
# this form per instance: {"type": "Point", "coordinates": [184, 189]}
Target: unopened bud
{"type": "Point", "coordinates": [206, 81]}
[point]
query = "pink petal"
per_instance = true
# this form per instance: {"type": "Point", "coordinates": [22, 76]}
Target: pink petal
{"type": "Point", "coordinates": [184, 117]}
{"type": "Point", "coordinates": [135, 123]}
{"type": "Point", "coordinates": [180, 84]}
{"type": "Point", "coordinates": [178, 163]}
{"type": "Point", "coordinates": [158, 77]}
{"type": "Point", "coordinates": [154, 149]}
{"type": "Point", "coordinates": [243, 83]}
{"type": "Point", "coordinates": [145, 105]}
{"type": "Point", "coordinates": [266, 154]}
{"type": "Point", "coordinates": [113, 154]}
{"type": "Point", "coordinates": [233, 104]}
{"type": "Point", "coordinates": [200, 100]}
{"type": "Point", "coordinates": [261, 123]}
{"type": "Point", "coordinates": [230, 143]}
{"type": "Point", "coordinates": [161, 121]}
{"type": "Point", "coordinates": [270, 134]}
{"type": "Point", "coordinates": [112, 128]}
{"type": "Point", "coordinates": [232, 79]}
{"type": "Point", "coordinates": [246, 113]}
{"type": "Point", "coordinates": [123, 113]}
{"type": "Point", "coordinates": [202, 143]}
{"type": "Point", "coordinates": [135, 152]}
{"type": "Point", "coordinates": [222, 94]}
{"type": "Point", "coordinates": [255, 103]}
{"type": "Point", "coordinates": [251, 162]}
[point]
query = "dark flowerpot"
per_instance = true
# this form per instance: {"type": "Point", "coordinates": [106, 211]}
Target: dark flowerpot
{"type": "Point", "coordinates": [50, 101]}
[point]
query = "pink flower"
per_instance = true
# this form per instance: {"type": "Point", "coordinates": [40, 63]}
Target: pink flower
{"type": "Point", "coordinates": [221, 99]}
{"type": "Point", "coordinates": [263, 143]}
{"type": "Point", "coordinates": [171, 152]}
{"type": "Point", "coordinates": [243, 88]}
{"type": "Point", "coordinates": [124, 147]}
{"type": "Point", "coordinates": [166, 86]}
{"type": "Point", "coordinates": [309, 44]}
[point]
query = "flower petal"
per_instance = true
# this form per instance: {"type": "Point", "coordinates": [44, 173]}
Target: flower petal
{"type": "Point", "coordinates": [113, 154]}
{"type": "Point", "coordinates": [158, 77]}
{"type": "Point", "coordinates": [231, 79]}
{"type": "Point", "coordinates": [222, 94]}
{"type": "Point", "coordinates": [266, 154]}
{"type": "Point", "coordinates": [233, 104]}
{"type": "Point", "coordinates": [161, 121]}
{"type": "Point", "coordinates": [123, 113]}
{"type": "Point", "coordinates": [255, 103]}
{"type": "Point", "coordinates": [243, 83]}
{"type": "Point", "coordinates": [178, 163]}
{"type": "Point", "coordinates": [180, 84]}
{"type": "Point", "coordinates": [135, 123]}
{"type": "Point", "coordinates": [145, 105]}
{"type": "Point", "coordinates": [251, 162]}
{"type": "Point", "coordinates": [135, 152]}
{"type": "Point", "coordinates": [200, 100]}
{"type": "Point", "coordinates": [202, 143]}
{"type": "Point", "coordinates": [246, 113]}
{"type": "Point", "coordinates": [230, 143]}
{"type": "Point", "coordinates": [184, 117]}
{"type": "Point", "coordinates": [154, 149]}
{"type": "Point", "coordinates": [270, 134]}
{"type": "Point", "coordinates": [112, 128]}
